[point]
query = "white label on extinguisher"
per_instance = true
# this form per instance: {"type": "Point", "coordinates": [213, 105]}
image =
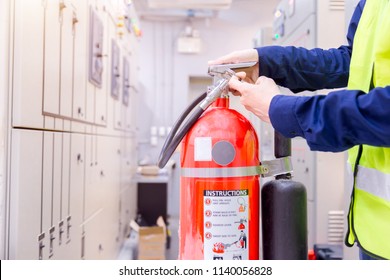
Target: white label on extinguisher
{"type": "Point", "coordinates": [202, 149]}
{"type": "Point", "coordinates": [226, 233]}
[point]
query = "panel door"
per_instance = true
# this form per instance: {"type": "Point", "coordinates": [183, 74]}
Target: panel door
{"type": "Point", "coordinates": [28, 64]}
{"type": "Point", "coordinates": [52, 58]}
{"type": "Point", "coordinates": [94, 195]}
{"type": "Point", "coordinates": [74, 216]}
{"type": "Point", "coordinates": [48, 192]}
{"type": "Point", "coordinates": [80, 60]}
{"type": "Point", "coordinates": [26, 196]}
{"type": "Point", "coordinates": [64, 252]}
{"type": "Point", "coordinates": [68, 20]}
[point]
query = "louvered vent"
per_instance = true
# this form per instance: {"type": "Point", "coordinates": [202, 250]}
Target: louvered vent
{"type": "Point", "coordinates": [335, 227]}
{"type": "Point", "coordinates": [337, 5]}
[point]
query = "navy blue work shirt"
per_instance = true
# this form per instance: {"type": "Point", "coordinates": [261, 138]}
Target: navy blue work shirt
{"type": "Point", "coordinates": [333, 122]}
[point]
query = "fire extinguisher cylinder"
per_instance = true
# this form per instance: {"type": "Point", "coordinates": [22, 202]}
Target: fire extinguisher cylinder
{"type": "Point", "coordinates": [284, 220]}
{"type": "Point", "coordinates": [282, 146]}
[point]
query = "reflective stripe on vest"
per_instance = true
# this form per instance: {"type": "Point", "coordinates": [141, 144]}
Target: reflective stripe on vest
{"type": "Point", "coordinates": [374, 182]}
{"type": "Point", "coordinates": [369, 216]}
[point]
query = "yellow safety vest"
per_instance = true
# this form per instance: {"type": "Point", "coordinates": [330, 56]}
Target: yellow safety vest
{"type": "Point", "coordinates": [369, 214]}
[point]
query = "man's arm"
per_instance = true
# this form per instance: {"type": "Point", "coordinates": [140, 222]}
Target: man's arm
{"type": "Point", "coordinates": [337, 121]}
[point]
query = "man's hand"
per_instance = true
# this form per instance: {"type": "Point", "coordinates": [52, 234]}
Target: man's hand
{"type": "Point", "coordinates": [247, 55]}
{"type": "Point", "coordinates": [255, 97]}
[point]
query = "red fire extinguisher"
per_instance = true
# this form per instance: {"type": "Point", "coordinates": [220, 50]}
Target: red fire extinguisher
{"type": "Point", "coordinates": [218, 159]}
{"type": "Point", "coordinates": [220, 168]}
{"type": "Point", "coordinates": [219, 184]}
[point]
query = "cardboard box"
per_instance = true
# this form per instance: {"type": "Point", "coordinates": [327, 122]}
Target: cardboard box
{"type": "Point", "coordinates": [151, 240]}
{"type": "Point", "coordinates": [149, 170]}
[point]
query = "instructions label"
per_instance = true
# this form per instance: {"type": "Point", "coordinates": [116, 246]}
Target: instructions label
{"type": "Point", "coordinates": [226, 224]}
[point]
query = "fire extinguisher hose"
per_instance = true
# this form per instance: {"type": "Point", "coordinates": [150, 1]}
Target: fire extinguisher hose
{"type": "Point", "coordinates": [174, 138]}
{"type": "Point", "coordinates": [197, 107]}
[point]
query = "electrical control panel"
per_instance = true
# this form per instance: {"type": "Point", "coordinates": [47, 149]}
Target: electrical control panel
{"type": "Point", "coordinates": [69, 62]}
{"type": "Point", "coordinates": [126, 82]}
{"type": "Point", "coordinates": [279, 23]}
{"type": "Point", "coordinates": [115, 69]}
{"type": "Point", "coordinates": [290, 15]}
{"type": "Point", "coordinates": [96, 49]}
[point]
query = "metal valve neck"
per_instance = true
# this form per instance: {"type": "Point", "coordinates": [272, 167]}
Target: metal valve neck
{"type": "Point", "coordinates": [221, 102]}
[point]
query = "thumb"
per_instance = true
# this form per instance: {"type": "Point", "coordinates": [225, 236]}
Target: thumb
{"type": "Point", "coordinates": [236, 85]}
{"type": "Point", "coordinates": [261, 79]}
{"type": "Point", "coordinates": [241, 75]}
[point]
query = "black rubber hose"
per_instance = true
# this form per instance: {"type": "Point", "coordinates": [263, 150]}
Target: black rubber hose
{"type": "Point", "coordinates": [181, 119]}
{"type": "Point", "coordinates": [174, 138]}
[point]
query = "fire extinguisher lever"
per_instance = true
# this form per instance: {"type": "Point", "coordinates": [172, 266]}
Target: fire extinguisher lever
{"type": "Point", "coordinates": [219, 70]}
{"type": "Point", "coordinates": [276, 167]}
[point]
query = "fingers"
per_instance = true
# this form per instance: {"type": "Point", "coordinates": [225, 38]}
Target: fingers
{"type": "Point", "coordinates": [230, 58]}
{"type": "Point", "coordinates": [257, 97]}
{"type": "Point", "coordinates": [233, 57]}
{"type": "Point", "coordinates": [238, 83]}
{"type": "Point", "coordinates": [237, 87]}
{"type": "Point", "coordinates": [236, 57]}
{"type": "Point", "coordinates": [268, 85]}
{"type": "Point", "coordinates": [234, 83]}
{"type": "Point", "coordinates": [233, 86]}
{"type": "Point", "coordinates": [235, 92]}
{"type": "Point", "coordinates": [241, 75]}
{"type": "Point", "coordinates": [261, 79]}
{"type": "Point", "coordinates": [223, 60]}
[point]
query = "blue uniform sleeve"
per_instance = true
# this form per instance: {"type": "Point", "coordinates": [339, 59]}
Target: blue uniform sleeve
{"type": "Point", "coordinates": [300, 69]}
{"type": "Point", "coordinates": [339, 120]}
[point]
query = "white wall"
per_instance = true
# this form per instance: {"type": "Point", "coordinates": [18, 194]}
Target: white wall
{"type": "Point", "coordinates": [4, 19]}
{"type": "Point", "coordinates": [164, 73]}
{"type": "Point", "coordinates": [349, 9]}
{"type": "Point", "coordinates": [331, 32]}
